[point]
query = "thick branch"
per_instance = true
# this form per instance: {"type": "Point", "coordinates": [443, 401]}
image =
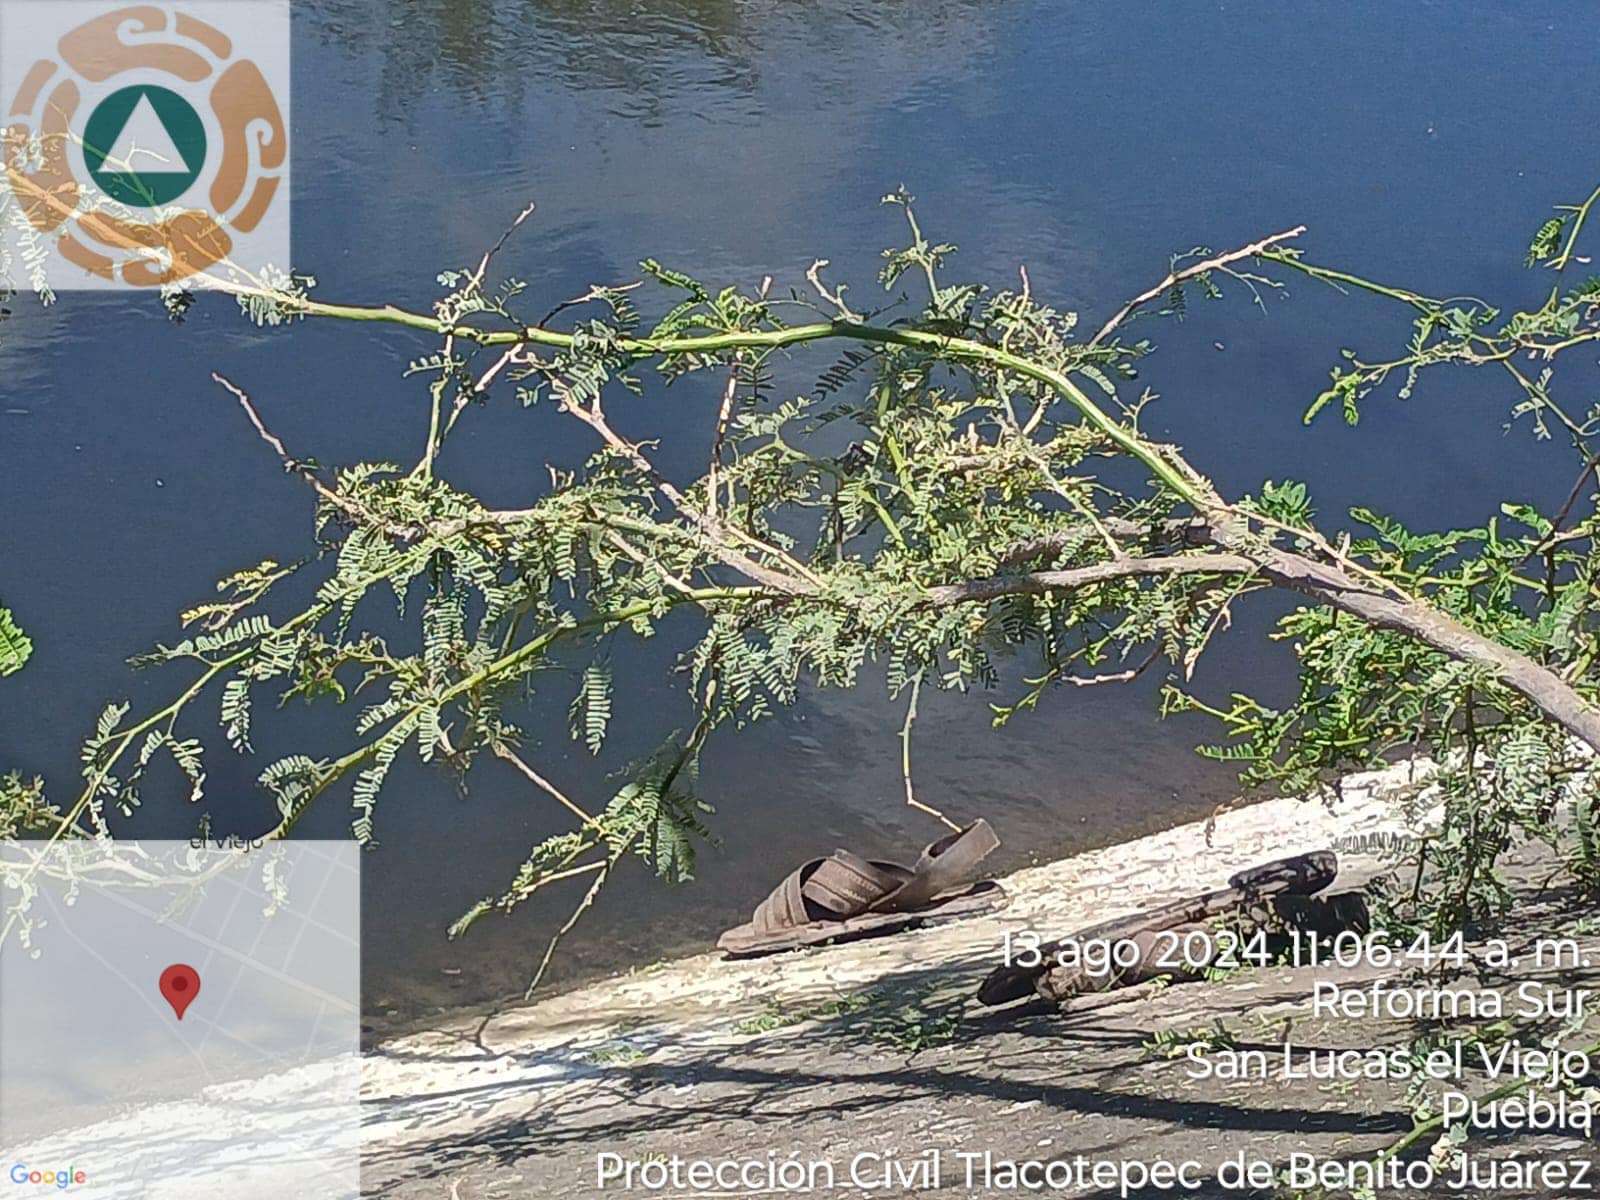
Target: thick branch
{"type": "Point", "coordinates": [1541, 687]}
{"type": "Point", "coordinates": [1181, 481]}
{"type": "Point", "coordinates": [1328, 583]}
{"type": "Point", "coordinates": [1039, 582]}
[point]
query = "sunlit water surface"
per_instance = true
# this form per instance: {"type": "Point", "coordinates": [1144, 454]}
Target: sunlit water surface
{"type": "Point", "coordinates": [1419, 142]}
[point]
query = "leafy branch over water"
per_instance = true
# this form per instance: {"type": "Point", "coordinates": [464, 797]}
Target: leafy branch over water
{"type": "Point", "coordinates": [953, 493]}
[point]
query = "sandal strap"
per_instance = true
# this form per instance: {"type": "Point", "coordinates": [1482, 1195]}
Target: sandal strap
{"type": "Point", "coordinates": [785, 905]}
{"type": "Point", "coordinates": [847, 884]}
{"type": "Point", "coordinates": [827, 889]}
{"type": "Point", "coordinates": [945, 864]}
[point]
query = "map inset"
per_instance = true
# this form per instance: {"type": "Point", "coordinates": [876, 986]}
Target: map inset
{"type": "Point", "coordinates": [180, 1021]}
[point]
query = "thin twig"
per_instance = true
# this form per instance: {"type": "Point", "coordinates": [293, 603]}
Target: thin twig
{"type": "Point", "coordinates": [480, 385]}
{"type": "Point", "coordinates": [1555, 535]}
{"type": "Point", "coordinates": [718, 532]}
{"type": "Point", "coordinates": [637, 556]}
{"type": "Point", "coordinates": [545, 785]}
{"type": "Point", "coordinates": [483, 264]}
{"type": "Point", "coordinates": [905, 756]}
{"type": "Point", "coordinates": [594, 293]}
{"type": "Point", "coordinates": [729, 391]}
{"type": "Point", "coordinates": [349, 506]}
{"type": "Point", "coordinates": [1200, 268]}
{"type": "Point", "coordinates": [1127, 676]}
{"type": "Point", "coordinates": [1110, 571]}
{"type": "Point", "coordinates": [449, 314]}
{"type": "Point", "coordinates": [1031, 451]}
{"type": "Point", "coordinates": [583, 907]}
{"type": "Point", "coordinates": [836, 297]}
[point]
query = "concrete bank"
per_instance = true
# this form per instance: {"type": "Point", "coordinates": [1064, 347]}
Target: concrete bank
{"type": "Point", "coordinates": [873, 1048]}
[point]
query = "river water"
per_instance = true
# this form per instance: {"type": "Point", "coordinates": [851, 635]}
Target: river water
{"type": "Point", "coordinates": [1421, 143]}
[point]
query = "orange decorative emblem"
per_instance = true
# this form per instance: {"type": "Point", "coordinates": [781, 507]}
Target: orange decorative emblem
{"type": "Point", "coordinates": [145, 146]}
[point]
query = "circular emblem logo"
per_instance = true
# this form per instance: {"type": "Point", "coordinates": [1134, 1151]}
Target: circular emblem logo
{"type": "Point", "coordinates": [144, 146]}
{"type": "Point", "coordinates": [140, 181]}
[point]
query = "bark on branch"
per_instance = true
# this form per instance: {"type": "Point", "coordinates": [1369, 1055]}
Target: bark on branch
{"type": "Point", "coordinates": [1327, 583]}
{"type": "Point", "coordinates": [1073, 578]}
{"type": "Point", "coordinates": [1541, 687]}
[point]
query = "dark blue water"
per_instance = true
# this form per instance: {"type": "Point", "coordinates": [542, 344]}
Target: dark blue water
{"type": "Point", "coordinates": [1421, 143]}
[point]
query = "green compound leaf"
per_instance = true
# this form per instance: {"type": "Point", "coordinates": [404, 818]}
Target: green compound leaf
{"type": "Point", "coordinates": [15, 648]}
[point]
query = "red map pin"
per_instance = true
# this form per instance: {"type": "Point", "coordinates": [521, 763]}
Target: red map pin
{"type": "Point", "coordinates": [180, 984]}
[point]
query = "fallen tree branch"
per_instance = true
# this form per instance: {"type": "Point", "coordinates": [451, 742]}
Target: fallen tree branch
{"type": "Point", "coordinates": [1541, 687]}
{"type": "Point", "coordinates": [1072, 578]}
{"type": "Point", "coordinates": [1325, 582]}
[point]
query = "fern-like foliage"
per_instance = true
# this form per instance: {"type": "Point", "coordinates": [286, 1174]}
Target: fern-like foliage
{"type": "Point", "coordinates": [591, 708]}
{"type": "Point", "coordinates": [15, 646]}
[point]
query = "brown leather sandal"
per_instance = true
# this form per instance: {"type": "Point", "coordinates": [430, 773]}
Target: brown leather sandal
{"type": "Point", "coordinates": [843, 896]}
